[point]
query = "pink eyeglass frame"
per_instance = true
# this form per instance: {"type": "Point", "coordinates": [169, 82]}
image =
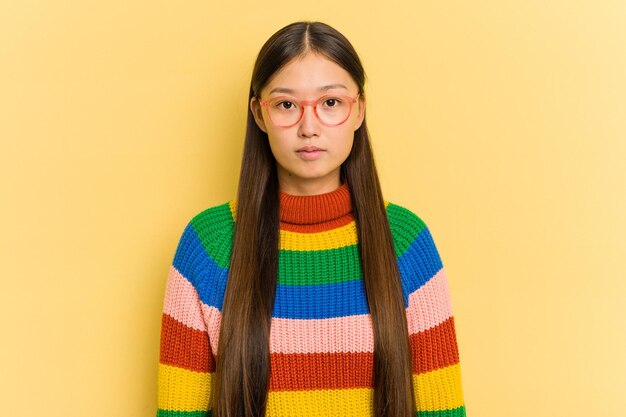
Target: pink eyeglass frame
{"type": "Point", "coordinates": [302, 103]}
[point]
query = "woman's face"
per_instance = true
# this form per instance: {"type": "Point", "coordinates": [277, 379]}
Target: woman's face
{"type": "Point", "coordinates": [302, 171]}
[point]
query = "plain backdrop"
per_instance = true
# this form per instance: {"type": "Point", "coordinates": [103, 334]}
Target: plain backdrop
{"type": "Point", "coordinates": [500, 123]}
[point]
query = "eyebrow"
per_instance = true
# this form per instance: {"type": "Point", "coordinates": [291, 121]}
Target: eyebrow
{"type": "Point", "coordinates": [290, 91]}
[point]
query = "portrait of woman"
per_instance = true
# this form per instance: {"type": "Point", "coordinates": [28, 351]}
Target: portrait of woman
{"type": "Point", "coordinates": [309, 293]}
{"type": "Point", "coordinates": [313, 209]}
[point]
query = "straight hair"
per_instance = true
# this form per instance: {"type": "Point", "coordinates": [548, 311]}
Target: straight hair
{"type": "Point", "coordinates": [243, 360]}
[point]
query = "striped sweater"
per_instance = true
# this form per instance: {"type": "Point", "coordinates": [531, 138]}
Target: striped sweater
{"type": "Point", "coordinates": [321, 338]}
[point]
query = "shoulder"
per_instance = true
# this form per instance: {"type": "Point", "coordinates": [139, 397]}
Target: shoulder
{"type": "Point", "coordinates": [214, 220]}
{"type": "Point", "coordinates": [208, 232]}
{"type": "Point", "coordinates": [405, 224]}
{"type": "Point", "coordinates": [409, 230]}
{"type": "Point", "coordinates": [402, 217]}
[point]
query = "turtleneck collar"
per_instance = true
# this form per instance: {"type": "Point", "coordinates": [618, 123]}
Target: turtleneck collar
{"type": "Point", "coordinates": [316, 209]}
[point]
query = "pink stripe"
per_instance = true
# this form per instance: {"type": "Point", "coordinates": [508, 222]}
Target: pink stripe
{"type": "Point", "coordinates": [213, 318]}
{"type": "Point", "coordinates": [182, 301]}
{"type": "Point", "coordinates": [429, 305]}
{"type": "Point", "coordinates": [340, 334]}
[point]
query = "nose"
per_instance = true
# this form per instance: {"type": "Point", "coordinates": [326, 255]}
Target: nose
{"type": "Point", "coordinates": [309, 125]}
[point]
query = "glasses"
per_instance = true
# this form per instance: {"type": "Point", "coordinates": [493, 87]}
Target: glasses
{"type": "Point", "coordinates": [330, 110]}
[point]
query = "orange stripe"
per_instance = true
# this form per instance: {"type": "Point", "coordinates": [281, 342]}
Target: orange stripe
{"type": "Point", "coordinates": [319, 227]}
{"type": "Point", "coordinates": [434, 348]}
{"type": "Point", "coordinates": [184, 347]}
{"type": "Point", "coordinates": [306, 371]}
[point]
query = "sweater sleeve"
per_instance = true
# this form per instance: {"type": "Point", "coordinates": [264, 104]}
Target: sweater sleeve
{"type": "Point", "coordinates": [432, 334]}
{"type": "Point", "coordinates": [186, 365]}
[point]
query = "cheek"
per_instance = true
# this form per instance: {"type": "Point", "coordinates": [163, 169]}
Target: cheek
{"type": "Point", "coordinates": [343, 140]}
{"type": "Point", "coordinates": [279, 146]}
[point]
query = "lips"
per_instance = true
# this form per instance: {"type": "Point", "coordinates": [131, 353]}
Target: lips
{"type": "Point", "coordinates": [310, 153]}
{"type": "Point", "coordinates": [309, 148]}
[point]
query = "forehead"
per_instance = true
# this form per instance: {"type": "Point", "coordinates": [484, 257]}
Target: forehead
{"type": "Point", "coordinates": [310, 74]}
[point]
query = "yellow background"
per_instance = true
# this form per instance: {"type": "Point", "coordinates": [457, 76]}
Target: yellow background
{"type": "Point", "coordinates": [500, 123]}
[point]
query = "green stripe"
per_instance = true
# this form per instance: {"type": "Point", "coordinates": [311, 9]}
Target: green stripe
{"type": "Point", "coordinates": [405, 227]}
{"type": "Point", "coordinates": [319, 267]}
{"type": "Point", "coordinates": [456, 412]}
{"type": "Point", "coordinates": [171, 413]}
{"type": "Point", "coordinates": [214, 227]}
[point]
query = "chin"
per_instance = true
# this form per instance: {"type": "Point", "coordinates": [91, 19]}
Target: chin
{"type": "Point", "coordinates": [312, 175]}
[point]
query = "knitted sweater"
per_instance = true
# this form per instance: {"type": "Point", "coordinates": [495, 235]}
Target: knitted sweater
{"type": "Point", "coordinates": [321, 338]}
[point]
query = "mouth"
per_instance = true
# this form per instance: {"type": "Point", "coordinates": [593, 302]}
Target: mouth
{"type": "Point", "coordinates": [310, 152]}
{"type": "Point", "coordinates": [309, 148]}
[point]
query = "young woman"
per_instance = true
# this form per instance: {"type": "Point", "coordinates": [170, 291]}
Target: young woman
{"type": "Point", "coordinates": [308, 294]}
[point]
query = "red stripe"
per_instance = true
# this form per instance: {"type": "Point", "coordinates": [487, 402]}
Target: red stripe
{"type": "Point", "coordinates": [434, 348]}
{"type": "Point", "coordinates": [299, 371]}
{"type": "Point", "coordinates": [315, 228]}
{"type": "Point", "coordinates": [185, 347]}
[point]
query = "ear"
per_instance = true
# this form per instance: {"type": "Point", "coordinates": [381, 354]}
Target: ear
{"type": "Point", "coordinates": [256, 109]}
{"type": "Point", "coordinates": [361, 116]}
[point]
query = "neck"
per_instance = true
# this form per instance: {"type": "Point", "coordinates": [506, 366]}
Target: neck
{"type": "Point", "coordinates": [288, 185]}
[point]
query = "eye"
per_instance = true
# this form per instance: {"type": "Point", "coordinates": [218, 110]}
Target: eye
{"type": "Point", "coordinates": [332, 102]}
{"type": "Point", "coordinates": [285, 105]}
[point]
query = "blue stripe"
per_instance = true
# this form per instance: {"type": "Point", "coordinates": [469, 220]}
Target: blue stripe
{"type": "Point", "coordinates": [193, 262]}
{"type": "Point", "coordinates": [419, 263]}
{"type": "Point", "coordinates": [320, 301]}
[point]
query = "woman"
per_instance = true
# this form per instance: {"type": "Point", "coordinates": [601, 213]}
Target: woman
{"type": "Point", "coordinates": [308, 277]}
